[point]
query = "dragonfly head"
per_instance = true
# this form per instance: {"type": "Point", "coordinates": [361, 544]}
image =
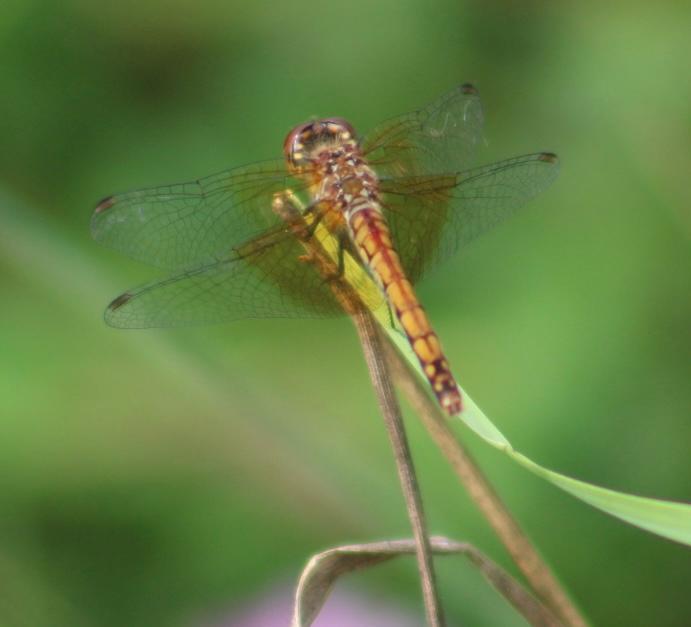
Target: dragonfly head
{"type": "Point", "coordinates": [315, 141]}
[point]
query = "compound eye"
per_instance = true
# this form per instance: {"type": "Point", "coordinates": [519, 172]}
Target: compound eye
{"type": "Point", "coordinates": [340, 128]}
{"type": "Point", "coordinates": [294, 148]}
{"type": "Point", "coordinates": [293, 141]}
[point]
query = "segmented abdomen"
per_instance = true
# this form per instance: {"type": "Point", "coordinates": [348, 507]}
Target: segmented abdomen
{"type": "Point", "coordinates": [372, 237]}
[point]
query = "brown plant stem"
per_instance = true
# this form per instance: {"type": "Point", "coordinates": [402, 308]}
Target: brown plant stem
{"type": "Point", "coordinates": [372, 346]}
{"type": "Point", "coordinates": [287, 207]}
{"type": "Point", "coordinates": [522, 551]}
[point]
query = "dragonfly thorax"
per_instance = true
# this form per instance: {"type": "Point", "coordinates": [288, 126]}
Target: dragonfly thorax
{"type": "Point", "coordinates": [319, 143]}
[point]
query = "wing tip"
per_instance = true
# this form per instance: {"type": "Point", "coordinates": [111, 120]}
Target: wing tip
{"type": "Point", "coordinates": [121, 300]}
{"type": "Point", "coordinates": [110, 314]}
{"type": "Point", "coordinates": [117, 319]}
{"type": "Point", "coordinates": [104, 204]}
{"type": "Point", "coordinates": [548, 157]}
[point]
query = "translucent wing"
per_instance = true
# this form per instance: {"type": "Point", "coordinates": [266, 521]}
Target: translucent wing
{"type": "Point", "coordinates": [266, 278]}
{"type": "Point", "coordinates": [233, 257]}
{"type": "Point", "coordinates": [442, 137]}
{"type": "Point", "coordinates": [176, 226]}
{"type": "Point", "coordinates": [431, 217]}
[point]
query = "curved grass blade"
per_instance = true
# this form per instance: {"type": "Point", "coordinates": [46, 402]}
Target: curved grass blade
{"type": "Point", "coordinates": [668, 519]}
{"type": "Point", "coordinates": [319, 576]}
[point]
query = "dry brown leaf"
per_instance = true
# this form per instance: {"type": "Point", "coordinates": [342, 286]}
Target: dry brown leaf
{"type": "Point", "coordinates": [322, 571]}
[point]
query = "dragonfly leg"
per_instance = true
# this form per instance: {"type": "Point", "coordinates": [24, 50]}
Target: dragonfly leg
{"type": "Point", "coordinates": [301, 220]}
{"type": "Point", "coordinates": [315, 218]}
{"type": "Point", "coordinates": [290, 209]}
{"type": "Point", "coordinates": [338, 272]}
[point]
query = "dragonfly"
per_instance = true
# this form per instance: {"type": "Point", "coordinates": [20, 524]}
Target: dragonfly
{"type": "Point", "coordinates": [397, 202]}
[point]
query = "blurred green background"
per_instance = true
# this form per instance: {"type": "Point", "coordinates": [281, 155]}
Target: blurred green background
{"type": "Point", "coordinates": [170, 477]}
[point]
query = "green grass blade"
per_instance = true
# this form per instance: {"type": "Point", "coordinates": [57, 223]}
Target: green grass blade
{"type": "Point", "coordinates": [668, 519]}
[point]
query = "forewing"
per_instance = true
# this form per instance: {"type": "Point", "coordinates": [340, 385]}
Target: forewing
{"type": "Point", "coordinates": [175, 226]}
{"type": "Point", "coordinates": [442, 137]}
{"type": "Point", "coordinates": [265, 279]}
{"type": "Point", "coordinates": [271, 276]}
{"type": "Point", "coordinates": [431, 217]}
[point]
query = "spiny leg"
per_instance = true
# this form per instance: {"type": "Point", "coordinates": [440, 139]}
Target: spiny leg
{"type": "Point", "coordinates": [288, 206]}
{"type": "Point", "coordinates": [303, 220]}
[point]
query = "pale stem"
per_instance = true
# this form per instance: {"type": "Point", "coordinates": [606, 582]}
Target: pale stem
{"type": "Point", "coordinates": [522, 551]}
{"type": "Point", "coordinates": [372, 347]}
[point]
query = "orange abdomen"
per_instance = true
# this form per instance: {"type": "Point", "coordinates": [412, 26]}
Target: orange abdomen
{"type": "Point", "coordinates": [373, 240]}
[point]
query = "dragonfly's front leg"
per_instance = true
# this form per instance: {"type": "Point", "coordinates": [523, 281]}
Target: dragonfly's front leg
{"type": "Point", "coordinates": [288, 206]}
{"type": "Point", "coordinates": [303, 221]}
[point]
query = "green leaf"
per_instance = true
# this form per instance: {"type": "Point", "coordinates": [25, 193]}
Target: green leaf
{"type": "Point", "coordinates": [665, 518]}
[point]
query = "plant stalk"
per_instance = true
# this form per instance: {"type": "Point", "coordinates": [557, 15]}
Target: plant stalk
{"type": "Point", "coordinates": [288, 208]}
{"type": "Point", "coordinates": [372, 346]}
{"type": "Point", "coordinates": [524, 554]}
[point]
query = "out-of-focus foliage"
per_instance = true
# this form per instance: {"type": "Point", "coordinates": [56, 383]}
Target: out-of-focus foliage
{"type": "Point", "coordinates": [164, 477]}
